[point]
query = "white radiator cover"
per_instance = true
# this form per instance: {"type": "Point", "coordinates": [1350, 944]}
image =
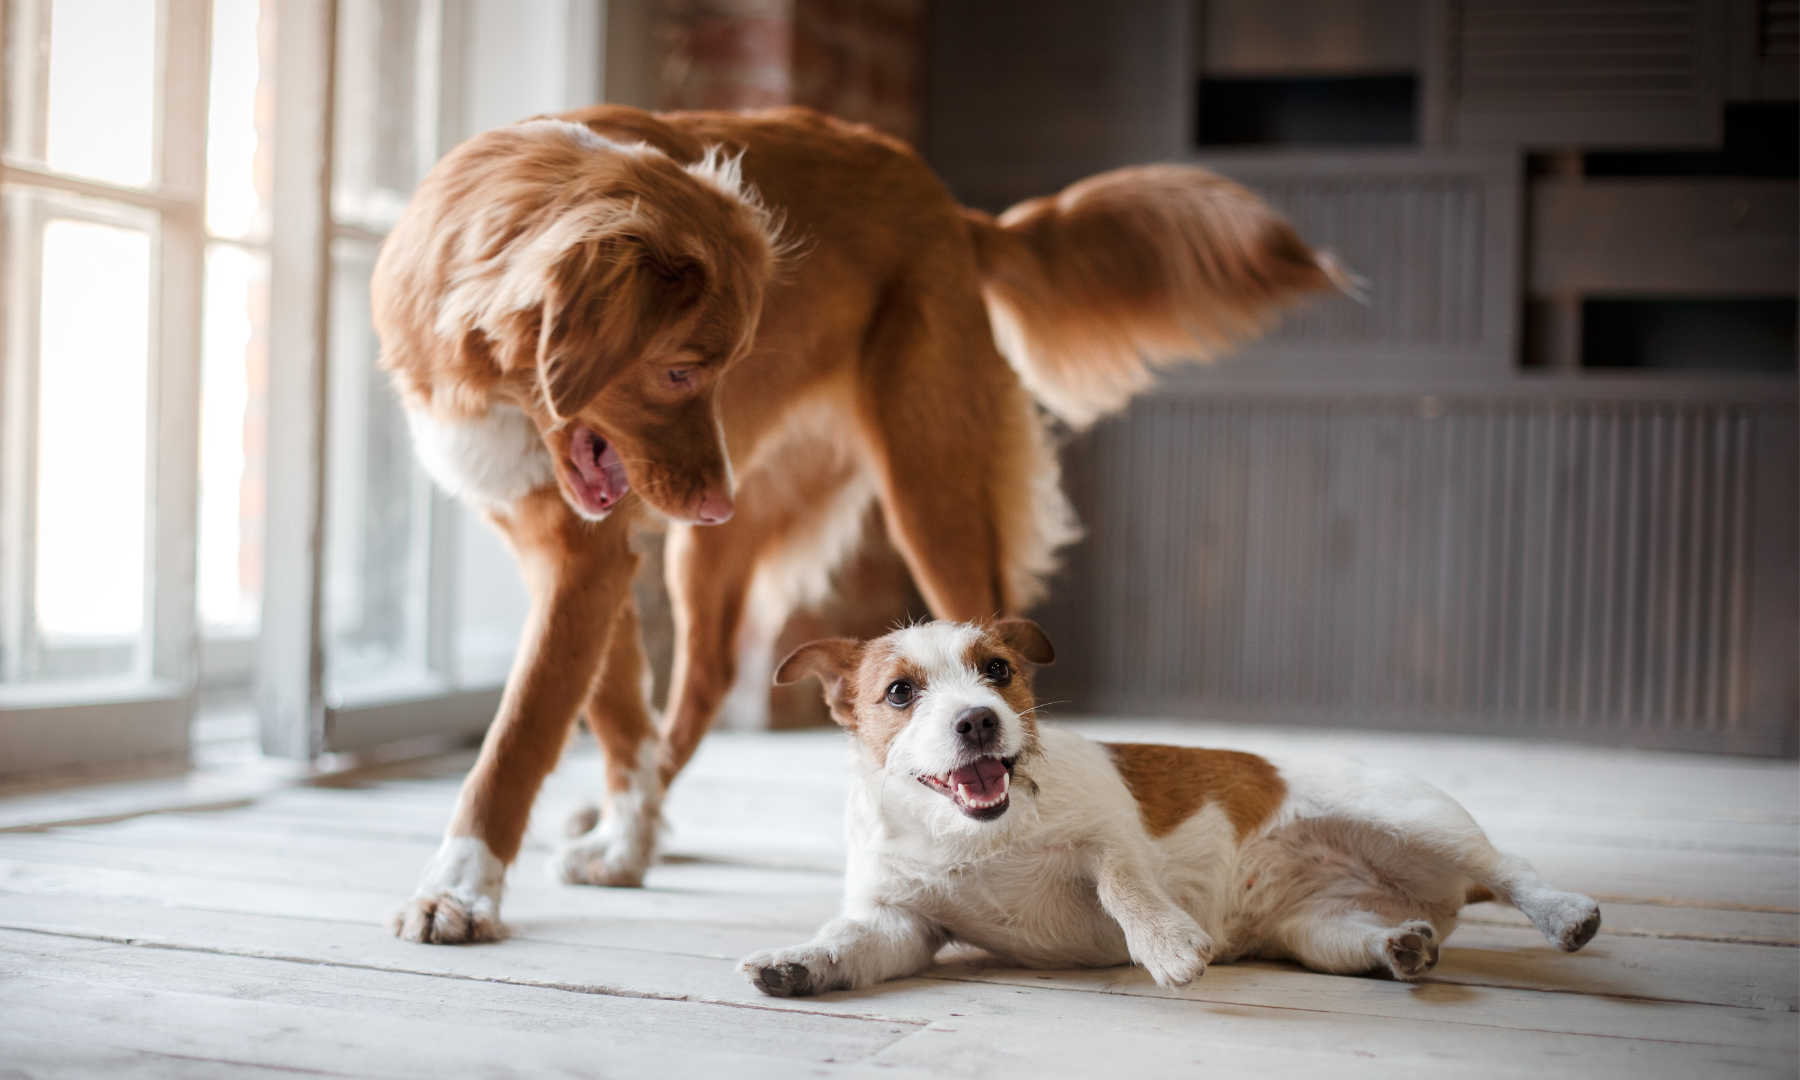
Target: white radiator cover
{"type": "Point", "coordinates": [1617, 571]}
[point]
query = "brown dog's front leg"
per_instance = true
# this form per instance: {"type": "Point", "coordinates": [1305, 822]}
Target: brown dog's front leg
{"type": "Point", "coordinates": [579, 575]}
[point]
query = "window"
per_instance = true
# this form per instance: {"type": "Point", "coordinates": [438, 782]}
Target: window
{"type": "Point", "coordinates": [196, 440]}
{"type": "Point", "coordinates": [104, 253]}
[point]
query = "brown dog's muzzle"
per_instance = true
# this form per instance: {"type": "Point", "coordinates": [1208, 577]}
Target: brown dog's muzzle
{"type": "Point", "coordinates": [678, 468]}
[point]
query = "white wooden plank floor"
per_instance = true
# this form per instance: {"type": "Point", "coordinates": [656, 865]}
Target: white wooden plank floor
{"type": "Point", "coordinates": [243, 938]}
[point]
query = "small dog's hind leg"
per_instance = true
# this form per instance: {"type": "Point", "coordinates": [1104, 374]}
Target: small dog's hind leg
{"type": "Point", "coordinates": [1567, 920]}
{"type": "Point", "coordinates": [1348, 943]}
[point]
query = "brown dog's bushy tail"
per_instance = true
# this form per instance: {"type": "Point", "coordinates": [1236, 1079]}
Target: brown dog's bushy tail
{"type": "Point", "coordinates": [1091, 288]}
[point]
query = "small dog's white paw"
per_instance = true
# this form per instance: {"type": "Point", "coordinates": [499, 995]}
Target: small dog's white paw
{"type": "Point", "coordinates": [1570, 923]}
{"type": "Point", "coordinates": [1175, 952]}
{"type": "Point", "coordinates": [1411, 950]}
{"type": "Point", "coordinates": [801, 971]}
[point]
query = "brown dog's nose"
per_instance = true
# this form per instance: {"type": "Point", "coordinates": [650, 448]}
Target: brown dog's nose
{"type": "Point", "coordinates": [714, 509]}
{"type": "Point", "coordinates": [978, 726]}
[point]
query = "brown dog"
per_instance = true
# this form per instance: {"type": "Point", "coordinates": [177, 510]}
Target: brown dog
{"type": "Point", "coordinates": [601, 318]}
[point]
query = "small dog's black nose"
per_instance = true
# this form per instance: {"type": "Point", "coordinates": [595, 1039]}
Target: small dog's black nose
{"type": "Point", "coordinates": [978, 725]}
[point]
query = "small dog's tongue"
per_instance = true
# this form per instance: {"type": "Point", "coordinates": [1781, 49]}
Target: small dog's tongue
{"type": "Point", "coordinates": [982, 777]}
{"type": "Point", "coordinates": [601, 477]}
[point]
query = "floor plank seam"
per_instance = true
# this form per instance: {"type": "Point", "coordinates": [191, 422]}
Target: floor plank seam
{"type": "Point", "coordinates": [1124, 992]}
{"type": "Point", "coordinates": [597, 990]}
{"type": "Point", "coordinates": [1706, 905]}
{"type": "Point", "coordinates": [166, 1055]}
{"type": "Point", "coordinates": [126, 815]}
{"type": "Point", "coordinates": [1664, 935]}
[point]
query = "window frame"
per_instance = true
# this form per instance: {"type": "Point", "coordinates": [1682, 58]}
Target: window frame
{"type": "Point", "coordinates": [57, 726]}
{"type": "Point", "coordinates": [301, 714]}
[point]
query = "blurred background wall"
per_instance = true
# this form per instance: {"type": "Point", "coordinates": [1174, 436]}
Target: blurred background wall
{"type": "Point", "coordinates": [1542, 480]}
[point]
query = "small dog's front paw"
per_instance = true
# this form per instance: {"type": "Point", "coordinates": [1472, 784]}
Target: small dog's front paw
{"type": "Point", "coordinates": [1412, 950]}
{"type": "Point", "coordinates": [447, 920]}
{"type": "Point", "coordinates": [1175, 954]}
{"type": "Point", "coordinates": [798, 972]}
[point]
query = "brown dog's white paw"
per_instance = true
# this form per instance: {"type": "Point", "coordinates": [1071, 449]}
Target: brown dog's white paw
{"type": "Point", "coordinates": [582, 821]}
{"type": "Point", "coordinates": [601, 861]}
{"type": "Point", "coordinates": [458, 899]}
{"type": "Point", "coordinates": [1411, 950]}
{"type": "Point", "coordinates": [446, 920]}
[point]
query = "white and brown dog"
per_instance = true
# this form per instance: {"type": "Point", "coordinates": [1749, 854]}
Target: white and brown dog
{"type": "Point", "coordinates": [968, 822]}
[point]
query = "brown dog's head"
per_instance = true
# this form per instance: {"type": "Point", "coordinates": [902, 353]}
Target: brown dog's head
{"type": "Point", "coordinates": [611, 286]}
{"type": "Point", "coordinates": [946, 706]}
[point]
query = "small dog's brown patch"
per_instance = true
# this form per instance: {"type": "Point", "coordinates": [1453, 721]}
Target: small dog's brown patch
{"type": "Point", "coordinates": [1172, 783]}
{"type": "Point", "coordinates": [1478, 894]}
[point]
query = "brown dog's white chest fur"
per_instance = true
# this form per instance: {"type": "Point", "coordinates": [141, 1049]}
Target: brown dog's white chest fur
{"type": "Point", "coordinates": [970, 822]}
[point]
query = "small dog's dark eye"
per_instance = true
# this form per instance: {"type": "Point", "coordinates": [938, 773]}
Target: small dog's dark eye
{"type": "Point", "coordinates": [900, 695]}
{"type": "Point", "coordinates": [999, 672]}
{"type": "Point", "coordinates": [681, 376]}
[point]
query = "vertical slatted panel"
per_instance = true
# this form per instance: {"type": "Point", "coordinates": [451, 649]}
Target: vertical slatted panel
{"type": "Point", "coordinates": [1576, 566]}
{"type": "Point", "coordinates": [1418, 241]}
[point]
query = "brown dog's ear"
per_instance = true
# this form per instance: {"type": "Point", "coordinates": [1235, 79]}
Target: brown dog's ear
{"type": "Point", "coordinates": [833, 660]}
{"type": "Point", "coordinates": [607, 300]}
{"type": "Point", "coordinates": [1025, 638]}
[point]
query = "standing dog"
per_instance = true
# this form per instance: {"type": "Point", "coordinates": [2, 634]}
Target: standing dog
{"type": "Point", "coordinates": [967, 822]}
{"type": "Point", "coordinates": [762, 324]}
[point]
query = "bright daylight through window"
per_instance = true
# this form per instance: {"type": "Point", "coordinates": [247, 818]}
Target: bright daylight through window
{"type": "Point", "coordinates": [93, 390]}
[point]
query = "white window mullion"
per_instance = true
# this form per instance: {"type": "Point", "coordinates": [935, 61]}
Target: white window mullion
{"type": "Point", "coordinates": [291, 662]}
{"type": "Point", "coordinates": [174, 652]}
{"type": "Point", "coordinates": [24, 243]}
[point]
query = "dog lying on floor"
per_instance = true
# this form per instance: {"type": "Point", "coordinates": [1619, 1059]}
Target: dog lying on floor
{"type": "Point", "coordinates": [968, 822]}
{"type": "Point", "coordinates": [749, 328]}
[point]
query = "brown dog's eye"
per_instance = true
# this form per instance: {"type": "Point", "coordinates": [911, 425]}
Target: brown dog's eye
{"type": "Point", "coordinates": [999, 672]}
{"type": "Point", "coordinates": [900, 695]}
{"type": "Point", "coordinates": [681, 378]}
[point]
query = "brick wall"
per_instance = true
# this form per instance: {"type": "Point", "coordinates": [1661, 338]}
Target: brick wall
{"type": "Point", "coordinates": [859, 59]}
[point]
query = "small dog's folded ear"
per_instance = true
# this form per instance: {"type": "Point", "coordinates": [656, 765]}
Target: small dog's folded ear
{"type": "Point", "coordinates": [828, 658]}
{"type": "Point", "coordinates": [1025, 638]}
{"type": "Point", "coordinates": [833, 660]}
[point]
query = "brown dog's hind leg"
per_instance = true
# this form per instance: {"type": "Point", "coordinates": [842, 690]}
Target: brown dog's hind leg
{"type": "Point", "coordinates": [618, 712]}
{"type": "Point", "coordinates": [709, 575]}
{"type": "Point", "coordinates": [969, 483]}
{"type": "Point", "coordinates": [579, 575]}
{"type": "Point", "coordinates": [790, 531]}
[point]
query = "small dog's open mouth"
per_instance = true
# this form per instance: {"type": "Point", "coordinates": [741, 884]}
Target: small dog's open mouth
{"type": "Point", "coordinates": [600, 480]}
{"type": "Point", "coordinates": [979, 789]}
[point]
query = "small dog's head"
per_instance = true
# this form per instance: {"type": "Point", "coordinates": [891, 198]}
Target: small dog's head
{"type": "Point", "coordinates": [947, 707]}
{"type": "Point", "coordinates": [608, 284]}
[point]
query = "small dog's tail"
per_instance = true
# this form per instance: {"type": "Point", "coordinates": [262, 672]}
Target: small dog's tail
{"type": "Point", "coordinates": [1089, 289]}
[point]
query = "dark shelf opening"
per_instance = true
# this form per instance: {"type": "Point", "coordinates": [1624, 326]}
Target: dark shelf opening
{"type": "Point", "coordinates": [1754, 334]}
{"type": "Point", "coordinates": [1762, 139]}
{"type": "Point", "coordinates": [1376, 110]}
